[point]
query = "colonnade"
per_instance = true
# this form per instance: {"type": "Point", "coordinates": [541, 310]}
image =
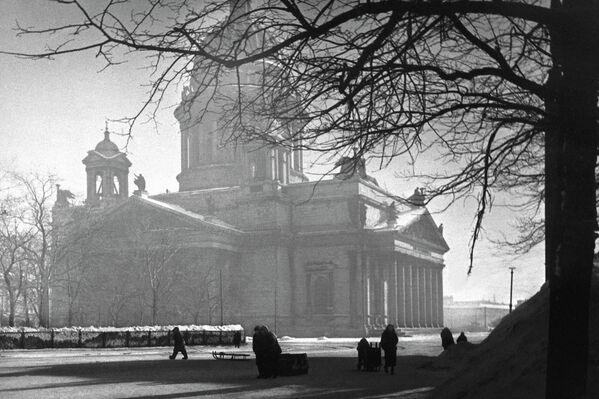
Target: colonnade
{"type": "Point", "coordinates": [401, 290]}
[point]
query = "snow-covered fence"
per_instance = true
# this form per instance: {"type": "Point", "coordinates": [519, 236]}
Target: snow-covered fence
{"type": "Point", "coordinates": [112, 337]}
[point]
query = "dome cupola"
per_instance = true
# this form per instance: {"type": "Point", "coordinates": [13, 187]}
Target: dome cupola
{"type": "Point", "coordinates": [107, 147]}
{"type": "Point", "coordinates": [107, 172]}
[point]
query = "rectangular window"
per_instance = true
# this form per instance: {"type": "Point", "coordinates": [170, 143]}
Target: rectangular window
{"type": "Point", "coordinates": [320, 292]}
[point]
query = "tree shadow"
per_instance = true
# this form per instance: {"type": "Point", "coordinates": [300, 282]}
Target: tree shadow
{"type": "Point", "coordinates": [328, 377]}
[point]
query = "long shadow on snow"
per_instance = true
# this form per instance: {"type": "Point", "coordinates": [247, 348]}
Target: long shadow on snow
{"type": "Point", "coordinates": [327, 377]}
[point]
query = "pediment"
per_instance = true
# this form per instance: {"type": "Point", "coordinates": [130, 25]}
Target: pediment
{"type": "Point", "coordinates": [421, 228]}
{"type": "Point", "coordinates": [143, 221]}
{"type": "Point", "coordinates": [414, 224]}
{"type": "Point", "coordinates": [162, 214]}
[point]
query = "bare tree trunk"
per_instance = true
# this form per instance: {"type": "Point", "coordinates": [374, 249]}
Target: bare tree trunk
{"type": "Point", "coordinates": [571, 237]}
{"type": "Point", "coordinates": [70, 313]}
{"type": "Point", "coordinates": [154, 307]}
{"type": "Point", "coordinates": [44, 304]}
{"type": "Point", "coordinates": [12, 304]}
{"type": "Point", "coordinates": [26, 307]}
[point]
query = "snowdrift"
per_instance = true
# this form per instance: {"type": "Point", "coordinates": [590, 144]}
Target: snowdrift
{"type": "Point", "coordinates": [511, 361]}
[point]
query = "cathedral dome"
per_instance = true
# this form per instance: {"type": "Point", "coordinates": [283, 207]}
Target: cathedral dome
{"type": "Point", "coordinates": [107, 147]}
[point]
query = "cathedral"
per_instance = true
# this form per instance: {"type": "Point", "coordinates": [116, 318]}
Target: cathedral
{"type": "Point", "coordinates": [247, 239]}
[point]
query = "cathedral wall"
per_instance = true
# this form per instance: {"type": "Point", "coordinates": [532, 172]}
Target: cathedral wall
{"type": "Point", "coordinates": [322, 290]}
{"type": "Point", "coordinates": [323, 214]}
{"type": "Point", "coordinates": [210, 176]}
{"type": "Point", "coordinates": [258, 281]}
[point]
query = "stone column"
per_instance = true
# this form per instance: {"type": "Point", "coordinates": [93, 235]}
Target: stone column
{"type": "Point", "coordinates": [394, 313]}
{"type": "Point", "coordinates": [409, 297]}
{"type": "Point", "coordinates": [402, 296]}
{"type": "Point", "coordinates": [368, 292]}
{"type": "Point", "coordinates": [422, 285]}
{"type": "Point", "coordinates": [354, 288]}
{"type": "Point", "coordinates": [431, 296]}
{"type": "Point", "coordinates": [416, 295]}
{"type": "Point", "coordinates": [427, 295]}
{"type": "Point", "coordinates": [386, 291]}
{"type": "Point", "coordinates": [401, 293]}
{"type": "Point", "coordinates": [440, 294]}
{"type": "Point", "coordinates": [434, 299]}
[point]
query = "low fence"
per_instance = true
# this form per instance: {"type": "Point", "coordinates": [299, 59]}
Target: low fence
{"type": "Point", "coordinates": [114, 338]}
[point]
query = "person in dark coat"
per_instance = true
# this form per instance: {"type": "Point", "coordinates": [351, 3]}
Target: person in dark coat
{"type": "Point", "coordinates": [389, 345]}
{"type": "Point", "coordinates": [267, 350]}
{"type": "Point", "coordinates": [272, 357]}
{"type": "Point", "coordinates": [237, 339]}
{"type": "Point", "coordinates": [446, 338]}
{"type": "Point", "coordinates": [362, 348]}
{"type": "Point", "coordinates": [179, 344]}
{"type": "Point", "coordinates": [258, 346]}
{"type": "Point", "coordinates": [462, 338]}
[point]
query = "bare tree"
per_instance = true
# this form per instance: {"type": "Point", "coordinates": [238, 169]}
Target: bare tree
{"type": "Point", "coordinates": [29, 216]}
{"type": "Point", "coordinates": [204, 288]}
{"type": "Point", "coordinates": [154, 252]}
{"type": "Point", "coordinates": [13, 262]}
{"type": "Point", "coordinates": [76, 238]}
{"type": "Point", "coordinates": [38, 196]}
{"type": "Point", "coordinates": [504, 92]}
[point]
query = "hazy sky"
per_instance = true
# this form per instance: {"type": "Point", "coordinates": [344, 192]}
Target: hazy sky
{"type": "Point", "coordinates": [53, 112]}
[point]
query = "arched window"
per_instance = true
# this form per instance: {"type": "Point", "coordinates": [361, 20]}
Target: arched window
{"type": "Point", "coordinates": [99, 186]}
{"type": "Point", "coordinates": [116, 185]}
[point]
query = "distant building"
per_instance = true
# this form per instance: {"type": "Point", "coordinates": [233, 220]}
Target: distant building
{"type": "Point", "coordinates": [473, 315]}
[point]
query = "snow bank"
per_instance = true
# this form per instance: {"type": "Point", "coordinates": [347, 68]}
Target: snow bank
{"type": "Point", "coordinates": [511, 362]}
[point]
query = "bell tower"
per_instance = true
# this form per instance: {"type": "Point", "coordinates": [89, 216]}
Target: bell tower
{"type": "Point", "coordinates": [107, 172]}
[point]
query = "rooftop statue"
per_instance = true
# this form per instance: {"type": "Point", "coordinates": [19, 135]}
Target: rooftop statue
{"type": "Point", "coordinates": [140, 182]}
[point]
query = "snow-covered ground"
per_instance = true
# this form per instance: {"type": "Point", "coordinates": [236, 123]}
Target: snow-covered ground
{"type": "Point", "coordinates": [147, 372]}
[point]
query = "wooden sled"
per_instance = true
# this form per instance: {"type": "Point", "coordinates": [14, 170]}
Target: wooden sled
{"type": "Point", "coordinates": [230, 356]}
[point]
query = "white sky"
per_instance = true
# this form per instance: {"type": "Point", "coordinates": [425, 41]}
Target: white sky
{"type": "Point", "coordinates": [53, 112]}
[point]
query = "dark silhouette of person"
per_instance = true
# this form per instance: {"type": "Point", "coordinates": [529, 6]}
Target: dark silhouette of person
{"type": "Point", "coordinates": [266, 347]}
{"type": "Point", "coordinates": [389, 345]}
{"type": "Point", "coordinates": [179, 344]}
{"type": "Point", "coordinates": [446, 338]}
{"type": "Point", "coordinates": [362, 348]}
{"type": "Point", "coordinates": [462, 338]}
{"type": "Point", "coordinates": [237, 339]}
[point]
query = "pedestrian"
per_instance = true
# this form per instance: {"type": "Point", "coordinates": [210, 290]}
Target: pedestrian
{"type": "Point", "coordinates": [446, 338]}
{"type": "Point", "coordinates": [389, 345]}
{"type": "Point", "coordinates": [237, 339]}
{"type": "Point", "coordinates": [272, 357]}
{"type": "Point", "coordinates": [179, 344]}
{"type": "Point", "coordinates": [267, 350]}
{"type": "Point", "coordinates": [362, 348]}
{"type": "Point", "coordinates": [462, 338]}
{"type": "Point", "coordinates": [258, 346]}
